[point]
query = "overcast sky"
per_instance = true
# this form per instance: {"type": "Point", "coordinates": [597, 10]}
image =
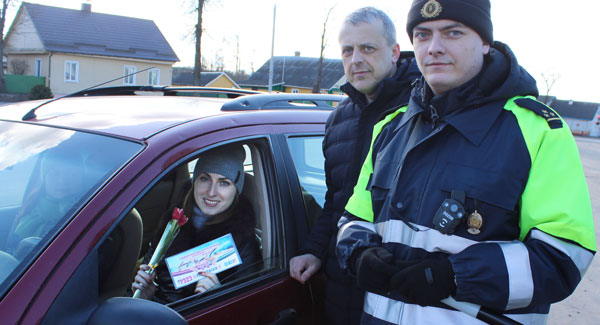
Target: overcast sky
{"type": "Point", "coordinates": [548, 36]}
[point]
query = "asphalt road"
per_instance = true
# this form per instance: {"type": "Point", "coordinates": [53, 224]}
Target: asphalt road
{"type": "Point", "coordinates": [582, 307]}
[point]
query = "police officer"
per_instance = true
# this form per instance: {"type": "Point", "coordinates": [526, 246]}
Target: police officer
{"type": "Point", "coordinates": [379, 79]}
{"type": "Point", "coordinates": [473, 190]}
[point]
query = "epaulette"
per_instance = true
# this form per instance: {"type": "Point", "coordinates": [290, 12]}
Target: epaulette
{"type": "Point", "coordinates": [542, 110]}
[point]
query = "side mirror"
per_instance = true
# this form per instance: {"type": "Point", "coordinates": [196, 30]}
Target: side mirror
{"type": "Point", "coordinates": [123, 310]}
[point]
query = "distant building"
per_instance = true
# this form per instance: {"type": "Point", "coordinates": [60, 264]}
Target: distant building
{"type": "Point", "coordinates": [76, 49]}
{"type": "Point", "coordinates": [296, 74]}
{"type": "Point", "coordinates": [185, 77]}
{"type": "Point", "coordinates": [583, 118]}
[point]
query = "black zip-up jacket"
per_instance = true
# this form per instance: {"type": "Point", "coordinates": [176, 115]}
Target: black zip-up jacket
{"type": "Point", "coordinates": [345, 146]}
{"type": "Point", "coordinates": [241, 226]}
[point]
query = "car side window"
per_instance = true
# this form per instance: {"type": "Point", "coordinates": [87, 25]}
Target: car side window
{"type": "Point", "coordinates": [218, 192]}
{"type": "Point", "coordinates": [309, 162]}
{"type": "Point", "coordinates": [108, 271]}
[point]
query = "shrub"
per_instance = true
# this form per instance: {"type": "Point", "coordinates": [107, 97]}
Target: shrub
{"type": "Point", "coordinates": [40, 92]}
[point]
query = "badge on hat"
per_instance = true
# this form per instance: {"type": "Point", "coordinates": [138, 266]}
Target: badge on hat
{"type": "Point", "coordinates": [431, 9]}
{"type": "Point", "coordinates": [474, 223]}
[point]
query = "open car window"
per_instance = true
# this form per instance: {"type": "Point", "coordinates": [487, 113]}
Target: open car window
{"type": "Point", "coordinates": [109, 269]}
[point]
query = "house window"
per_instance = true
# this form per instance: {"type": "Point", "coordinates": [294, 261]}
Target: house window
{"type": "Point", "coordinates": [129, 75]}
{"type": "Point", "coordinates": [295, 91]}
{"type": "Point", "coordinates": [38, 67]}
{"type": "Point", "coordinates": [153, 77]}
{"type": "Point", "coordinates": [71, 71]}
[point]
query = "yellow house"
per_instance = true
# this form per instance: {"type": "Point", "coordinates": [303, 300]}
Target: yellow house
{"type": "Point", "coordinates": [77, 49]}
{"type": "Point", "coordinates": [296, 74]}
{"type": "Point", "coordinates": [216, 79]}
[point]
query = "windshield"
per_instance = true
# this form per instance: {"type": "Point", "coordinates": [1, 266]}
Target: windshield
{"type": "Point", "coordinates": [47, 175]}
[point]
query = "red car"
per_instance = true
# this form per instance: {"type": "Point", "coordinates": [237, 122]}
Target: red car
{"type": "Point", "coordinates": [85, 180]}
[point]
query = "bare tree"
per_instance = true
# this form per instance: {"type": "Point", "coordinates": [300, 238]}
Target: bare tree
{"type": "Point", "coordinates": [238, 75]}
{"type": "Point", "coordinates": [19, 66]}
{"type": "Point", "coordinates": [317, 84]}
{"type": "Point", "coordinates": [5, 4]}
{"type": "Point", "coordinates": [549, 80]}
{"type": "Point", "coordinates": [219, 62]}
{"type": "Point", "coordinates": [198, 38]}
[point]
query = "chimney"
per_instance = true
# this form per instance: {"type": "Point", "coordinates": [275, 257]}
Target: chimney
{"type": "Point", "coordinates": [86, 7]}
{"type": "Point", "coordinates": [297, 53]}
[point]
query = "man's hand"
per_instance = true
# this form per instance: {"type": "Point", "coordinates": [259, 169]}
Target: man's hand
{"type": "Point", "coordinates": [303, 267]}
{"type": "Point", "coordinates": [426, 282]}
{"type": "Point", "coordinates": [374, 268]}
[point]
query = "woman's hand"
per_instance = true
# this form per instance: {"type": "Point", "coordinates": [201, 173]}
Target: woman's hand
{"type": "Point", "coordinates": [144, 282]}
{"type": "Point", "coordinates": [210, 281]}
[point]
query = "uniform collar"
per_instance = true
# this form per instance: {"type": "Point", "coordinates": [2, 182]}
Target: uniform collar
{"type": "Point", "coordinates": [465, 108]}
{"type": "Point", "coordinates": [474, 123]}
{"type": "Point", "coordinates": [472, 118]}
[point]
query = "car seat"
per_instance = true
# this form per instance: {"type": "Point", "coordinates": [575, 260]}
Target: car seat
{"type": "Point", "coordinates": [118, 256]}
{"type": "Point", "coordinates": [157, 201]}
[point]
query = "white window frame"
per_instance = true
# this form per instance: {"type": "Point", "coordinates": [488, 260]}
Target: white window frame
{"type": "Point", "coordinates": [38, 67]}
{"type": "Point", "coordinates": [72, 77]}
{"type": "Point", "coordinates": [130, 80]}
{"type": "Point", "coordinates": [153, 74]}
{"type": "Point", "coordinates": [295, 91]}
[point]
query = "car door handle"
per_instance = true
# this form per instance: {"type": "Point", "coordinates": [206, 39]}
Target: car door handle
{"type": "Point", "coordinates": [285, 317]}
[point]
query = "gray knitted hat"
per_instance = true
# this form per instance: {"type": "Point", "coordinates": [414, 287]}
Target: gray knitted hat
{"type": "Point", "coordinates": [226, 160]}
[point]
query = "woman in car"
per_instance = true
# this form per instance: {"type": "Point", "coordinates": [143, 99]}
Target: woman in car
{"type": "Point", "coordinates": [215, 207]}
{"type": "Point", "coordinates": [52, 195]}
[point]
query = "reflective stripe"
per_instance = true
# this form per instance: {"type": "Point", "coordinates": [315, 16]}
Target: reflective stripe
{"type": "Point", "coordinates": [369, 226]}
{"type": "Point", "coordinates": [343, 220]}
{"type": "Point", "coordinates": [581, 257]}
{"type": "Point", "coordinates": [431, 240]}
{"type": "Point", "coordinates": [520, 279]}
{"type": "Point", "coordinates": [397, 312]}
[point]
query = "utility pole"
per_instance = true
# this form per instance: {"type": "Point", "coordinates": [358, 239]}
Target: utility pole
{"type": "Point", "coordinates": [272, 48]}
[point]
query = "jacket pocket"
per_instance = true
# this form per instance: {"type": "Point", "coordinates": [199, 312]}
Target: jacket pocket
{"type": "Point", "coordinates": [380, 183]}
{"type": "Point", "coordinates": [494, 195]}
{"type": "Point", "coordinates": [486, 186]}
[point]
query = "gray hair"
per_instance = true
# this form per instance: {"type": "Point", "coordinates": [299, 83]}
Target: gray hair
{"type": "Point", "coordinates": [370, 15]}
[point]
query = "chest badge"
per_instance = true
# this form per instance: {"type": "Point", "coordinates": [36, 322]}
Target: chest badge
{"type": "Point", "coordinates": [474, 223]}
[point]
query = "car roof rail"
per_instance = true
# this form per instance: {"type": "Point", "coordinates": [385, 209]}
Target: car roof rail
{"type": "Point", "coordinates": [283, 101]}
{"type": "Point", "coordinates": [165, 90]}
{"type": "Point", "coordinates": [200, 91]}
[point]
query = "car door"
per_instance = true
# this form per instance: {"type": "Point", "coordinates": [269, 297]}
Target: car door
{"type": "Point", "coordinates": [267, 296]}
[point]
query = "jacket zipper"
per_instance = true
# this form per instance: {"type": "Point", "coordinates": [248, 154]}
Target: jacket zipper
{"type": "Point", "coordinates": [434, 116]}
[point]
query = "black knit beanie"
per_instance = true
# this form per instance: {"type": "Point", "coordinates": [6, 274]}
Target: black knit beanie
{"type": "Point", "coordinates": [473, 13]}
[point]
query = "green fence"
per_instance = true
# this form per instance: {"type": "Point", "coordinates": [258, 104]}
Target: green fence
{"type": "Point", "coordinates": [18, 84]}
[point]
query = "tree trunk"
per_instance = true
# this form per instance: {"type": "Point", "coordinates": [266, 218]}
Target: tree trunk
{"type": "Point", "coordinates": [2, 21]}
{"type": "Point", "coordinates": [317, 84]}
{"type": "Point", "coordinates": [198, 34]}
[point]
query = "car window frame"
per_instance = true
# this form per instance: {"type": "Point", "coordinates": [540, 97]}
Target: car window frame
{"type": "Point", "coordinates": [101, 214]}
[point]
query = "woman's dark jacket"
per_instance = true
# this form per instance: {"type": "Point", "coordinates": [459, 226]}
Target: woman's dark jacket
{"type": "Point", "coordinates": [345, 146]}
{"type": "Point", "coordinates": [241, 226]}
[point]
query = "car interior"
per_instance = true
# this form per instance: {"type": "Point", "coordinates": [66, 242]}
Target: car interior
{"type": "Point", "coordinates": [154, 205]}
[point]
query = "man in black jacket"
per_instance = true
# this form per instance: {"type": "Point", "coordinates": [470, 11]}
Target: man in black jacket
{"type": "Point", "coordinates": [379, 79]}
